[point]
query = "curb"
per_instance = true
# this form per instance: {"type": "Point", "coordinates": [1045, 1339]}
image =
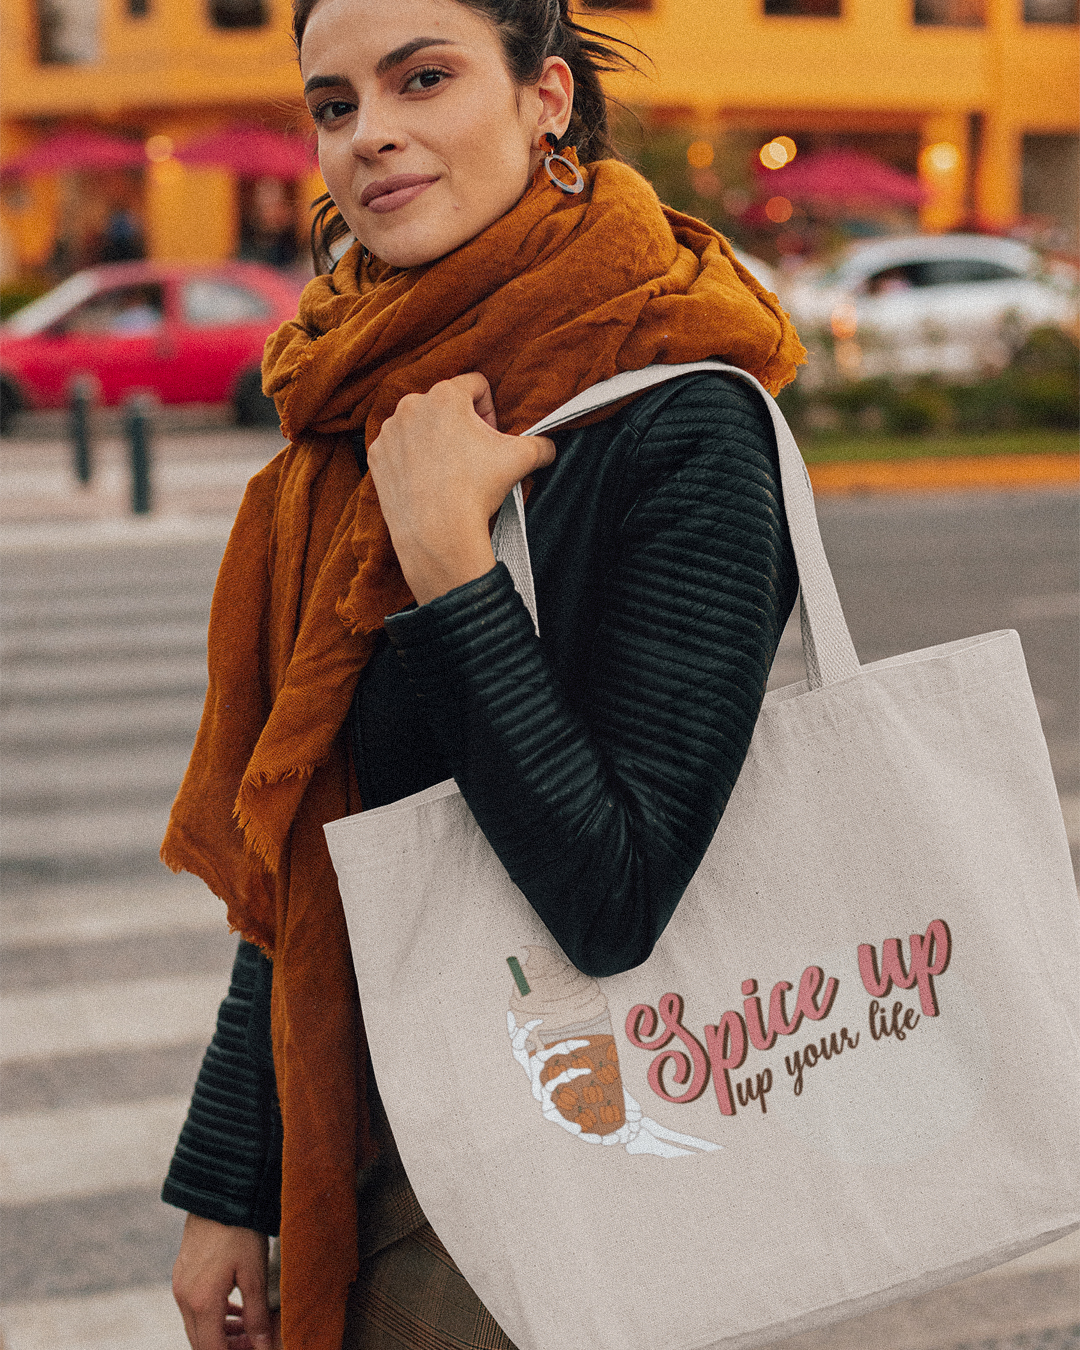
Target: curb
{"type": "Point", "coordinates": [836, 478]}
{"type": "Point", "coordinates": [955, 474]}
{"type": "Point", "coordinates": [59, 536]}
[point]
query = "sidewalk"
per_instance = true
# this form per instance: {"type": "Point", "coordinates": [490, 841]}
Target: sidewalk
{"type": "Point", "coordinates": [958, 473]}
{"type": "Point", "coordinates": [199, 472]}
{"type": "Point", "coordinates": [194, 473]}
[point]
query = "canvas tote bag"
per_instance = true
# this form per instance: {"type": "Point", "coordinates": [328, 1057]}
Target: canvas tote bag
{"type": "Point", "coordinates": [848, 1071]}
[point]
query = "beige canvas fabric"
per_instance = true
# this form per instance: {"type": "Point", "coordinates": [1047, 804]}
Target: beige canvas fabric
{"type": "Point", "coordinates": [848, 1072]}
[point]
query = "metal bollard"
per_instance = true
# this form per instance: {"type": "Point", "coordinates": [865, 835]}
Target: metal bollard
{"type": "Point", "coordinates": [83, 394]}
{"type": "Point", "coordinates": [137, 415]}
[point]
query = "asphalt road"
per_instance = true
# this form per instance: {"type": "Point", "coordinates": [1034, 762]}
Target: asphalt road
{"type": "Point", "coordinates": [112, 969]}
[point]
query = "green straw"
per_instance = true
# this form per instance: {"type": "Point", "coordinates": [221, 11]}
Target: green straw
{"type": "Point", "coordinates": [518, 974]}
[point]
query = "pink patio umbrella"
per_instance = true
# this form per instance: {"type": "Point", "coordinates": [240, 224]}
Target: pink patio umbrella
{"type": "Point", "coordinates": [71, 150]}
{"type": "Point", "coordinates": [841, 175]}
{"type": "Point", "coordinates": [250, 152]}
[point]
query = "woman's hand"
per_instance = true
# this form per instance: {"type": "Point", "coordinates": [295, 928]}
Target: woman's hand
{"type": "Point", "coordinates": [442, 470]}
{"type": "Point", "coordinates": [214, 1259]}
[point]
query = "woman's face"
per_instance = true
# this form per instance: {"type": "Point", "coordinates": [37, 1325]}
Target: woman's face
{"type": "Point", "coordinates": [424, 138]}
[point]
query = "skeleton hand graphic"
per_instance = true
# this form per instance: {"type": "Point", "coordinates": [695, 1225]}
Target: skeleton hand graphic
{"type": "Point", "coordinates": [638, 1134]}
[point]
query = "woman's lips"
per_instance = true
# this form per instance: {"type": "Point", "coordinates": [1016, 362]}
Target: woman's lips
{"type": "Point", "coordinates": [390, 193]}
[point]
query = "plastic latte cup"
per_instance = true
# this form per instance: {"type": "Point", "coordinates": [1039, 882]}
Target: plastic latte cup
{"type": "Point", "coordinates": [571, 1007]}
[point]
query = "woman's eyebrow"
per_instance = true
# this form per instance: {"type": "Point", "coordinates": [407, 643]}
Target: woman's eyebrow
{"type": "Point", "coordinates": [391, 59]}
{"type": "Point", "coordinates": [385, 63]}
{"type": "Point", "coordinates": [323, 82]}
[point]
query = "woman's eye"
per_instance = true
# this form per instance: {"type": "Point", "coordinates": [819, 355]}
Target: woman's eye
{"type": "Point", "coordinates": [332, 109]}
{"type": "Point", "coordinates": [424, 79]}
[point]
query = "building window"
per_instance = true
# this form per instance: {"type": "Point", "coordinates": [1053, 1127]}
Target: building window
{"type": "Point", "coordinates": [953, 13]}
{"type": "Point", "coordinates": [1051, 11]}
{"type": "Point", "coordinates": [813, 9]}
{"type": "Point", "coordinates": [67, 31]}
{"type": "Point", "coordinates": [1050, 189]}
{"type": "Point", "coordinates": [238, 13]}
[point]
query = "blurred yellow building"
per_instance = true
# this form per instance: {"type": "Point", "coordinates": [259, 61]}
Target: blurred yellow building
{"type": "Point", "coordinates": [980, 95]}
{"type": "Point", "coordinates": [165, 72]}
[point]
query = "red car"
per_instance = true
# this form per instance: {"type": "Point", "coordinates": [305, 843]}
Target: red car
{"type": "Point", "coordinates": [191, 333]}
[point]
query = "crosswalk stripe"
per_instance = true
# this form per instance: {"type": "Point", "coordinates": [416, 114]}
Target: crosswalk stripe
{"type": "Point", "coordinates": [51, 775]}
{"type": "Point", "coordinates": [87, 1150]}
{"type": "Point", "coordinates": [37, 643]}
{"type": "Point", "coordinates": [131, 1014]}
{"type": "Point", "coordinates": [98, 604]}
{"type": "Point", "coordinates": [128, 1319]}
{"type": "Point", "coordinates": [95, 911]}
{"type": "Point", "coordinates": [128, 673]}
{"type": "Point", "coordinates": [47, 578]}
{"type": "Point", "coordinates": [150, 720]}
{"type": "Point", "coordinates": [116, 532]}
{"type": "Point", "coordinates": [115, 478]}
{"type": "Point", "coordinates": [89, 834]}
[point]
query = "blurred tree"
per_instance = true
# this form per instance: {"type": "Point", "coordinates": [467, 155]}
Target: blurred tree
{"type": "Point", "coordinates": [704, 175]}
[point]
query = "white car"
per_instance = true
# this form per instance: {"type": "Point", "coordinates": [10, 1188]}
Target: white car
{"type": "Point", "coordinates": [954, 305]}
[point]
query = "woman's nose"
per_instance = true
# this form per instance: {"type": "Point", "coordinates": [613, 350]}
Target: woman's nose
{"type": "Point", "coordinates": [372, 134]}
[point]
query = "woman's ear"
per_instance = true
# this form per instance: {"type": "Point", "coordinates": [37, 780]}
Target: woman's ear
{"type": "Point", "coordinates": [555, 90]}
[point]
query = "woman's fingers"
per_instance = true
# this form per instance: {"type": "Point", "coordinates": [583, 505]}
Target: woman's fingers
{"type": "Point", "coordinates": [442, 470]}
{"type": "Point", "coordinates": [478, 389]}
{"type": "Point", "coordinates": [205, 1320]}
{"type": "Point", "coordinates": [189, 1324]}
{"type": "Point", "coordinates": [213, 1260]}
{"type": "Point", "coordinates": [545, 451]}
{"type": "Point", "coordinates": [201, 1285]}
{"type": "Point", "coordinates": [252, 1286]}
{"type": "Point", "coordinates": [442, 449]}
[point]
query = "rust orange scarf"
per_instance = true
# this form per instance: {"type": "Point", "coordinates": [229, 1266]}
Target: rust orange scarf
{"type": "Point", "coordinates": [560, 293]}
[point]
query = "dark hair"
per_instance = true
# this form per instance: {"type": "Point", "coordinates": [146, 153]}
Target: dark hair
{"type": "Point", "coordinates": [530, 32]}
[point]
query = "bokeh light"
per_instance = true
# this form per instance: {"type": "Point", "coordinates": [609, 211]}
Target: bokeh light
{"type": "Point", "coordinates": [706, 182]}
{"type": "Point", "coordinates": [844, 322]}
{"type": "Point", "coordinates": [736, 201]}
{"type": "Point", "coordinates": [700, 154]}
{"type": "Point", "coordinates": [942, 157]}
{"type": "Point", "coordinates": [159, 149]}
{"type": "Point", "coordinates": [778, 209]}
{"type": "Point", "coordinates": [779, 151]}
{"type": "Point", "coordinates": [848, 357]}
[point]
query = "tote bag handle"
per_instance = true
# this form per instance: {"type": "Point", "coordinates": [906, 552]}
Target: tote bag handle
{"type": "Point", "coordinates": [827, 647]}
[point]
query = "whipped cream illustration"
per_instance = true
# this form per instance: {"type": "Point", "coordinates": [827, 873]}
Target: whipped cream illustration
{"type": "Point", "coordinates": [560, 995]}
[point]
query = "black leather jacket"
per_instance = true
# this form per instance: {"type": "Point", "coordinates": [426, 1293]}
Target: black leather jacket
{"type": "Point", "coordinates": [598, 759]}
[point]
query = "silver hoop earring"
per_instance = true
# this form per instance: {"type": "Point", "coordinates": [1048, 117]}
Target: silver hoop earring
{"type": "Point", "coordinates": [578, 185]}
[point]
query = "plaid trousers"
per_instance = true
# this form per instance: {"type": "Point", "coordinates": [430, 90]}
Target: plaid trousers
{"type": "Point", "coordinates": [409, 1294]}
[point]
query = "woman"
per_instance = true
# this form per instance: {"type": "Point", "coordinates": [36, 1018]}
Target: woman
{"type": "Point", "coordinates": [490, 282]}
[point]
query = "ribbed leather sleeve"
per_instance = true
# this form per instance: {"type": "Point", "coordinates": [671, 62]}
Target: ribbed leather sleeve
{"type": "Point", "coordinates": [227, 1164]}
{"type": "Point", "coordinates": [599, 774]}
